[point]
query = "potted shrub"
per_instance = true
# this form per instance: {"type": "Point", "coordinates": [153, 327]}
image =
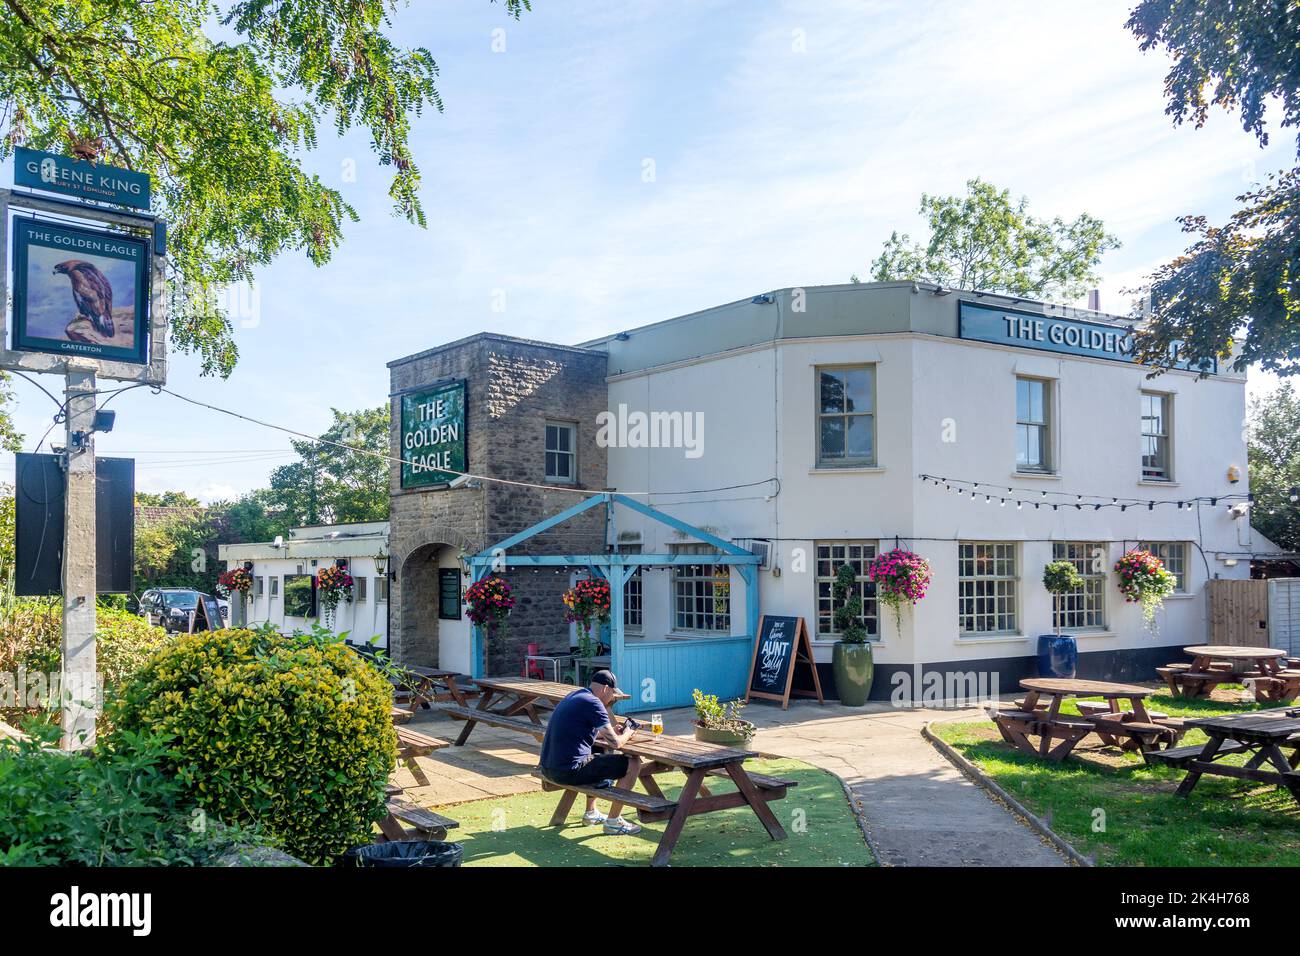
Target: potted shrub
{"type": "Point", "coordinates": [851, 657]}
{"type": "Point", "coordinates": [1058, 655]}
{"type": "Point", "coordinates": [717, 723]}
{"type": "Point", "coordinates": [1144, 579]}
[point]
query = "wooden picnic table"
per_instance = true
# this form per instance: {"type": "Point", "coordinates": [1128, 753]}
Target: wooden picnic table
{"type": "Point", "coordinates": [698, 760]}
{"type": "Point", "coordinates": [1058, 734]}
{"type": "Point", "coordinates": [1265, 735]}
{"type": "Point", "coordinates": [512, 703]}
{"type": "Point", "coordinates": [1213, 664]}
{"type": "Point", "coordinates": [423, 685]}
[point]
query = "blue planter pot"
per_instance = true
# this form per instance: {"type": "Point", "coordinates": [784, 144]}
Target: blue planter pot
{"type": "Point", "coordinates": [1057, 656]}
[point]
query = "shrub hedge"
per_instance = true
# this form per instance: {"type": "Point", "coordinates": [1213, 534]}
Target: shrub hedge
{"type": "Point", "coordinates": [292, 733]}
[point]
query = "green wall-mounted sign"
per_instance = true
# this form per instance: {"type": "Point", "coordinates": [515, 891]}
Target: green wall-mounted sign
{"type": "Point", "coordinates": [433, 435]}
{"type": "Point", "coordinates": [80, 178]}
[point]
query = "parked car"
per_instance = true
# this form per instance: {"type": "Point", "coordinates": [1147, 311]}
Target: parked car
{"type": "Point", "coordinates": [170, 608]}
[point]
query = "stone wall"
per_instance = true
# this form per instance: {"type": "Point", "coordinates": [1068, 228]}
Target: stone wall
{"type": "Point", "coordinates": [514, 386]}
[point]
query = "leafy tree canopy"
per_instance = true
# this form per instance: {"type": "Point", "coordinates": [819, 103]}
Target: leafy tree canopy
{"type": "Point", "coordinates": [986, 240]}
{"type": "Point", "coordinates": [330, 484]}
{"type": "Point", "coordinates": [1235, 292]}
{"type": "Point", "coordinates": [220, 124]}
{"type": "Point", "coordinates": [166, 499]}
{"type": "Point", "coordinates": [1274, 453]}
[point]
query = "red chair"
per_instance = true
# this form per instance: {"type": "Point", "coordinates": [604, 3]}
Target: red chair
{"type": "Point", "coordinates": [533, 668]}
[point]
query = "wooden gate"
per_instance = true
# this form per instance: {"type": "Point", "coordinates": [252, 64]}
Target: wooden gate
{"type": "Point", "coordinates": [1239, 613]}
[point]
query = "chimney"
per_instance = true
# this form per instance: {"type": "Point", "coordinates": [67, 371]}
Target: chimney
{"type": "Point", "coordinates": [1094, 300]}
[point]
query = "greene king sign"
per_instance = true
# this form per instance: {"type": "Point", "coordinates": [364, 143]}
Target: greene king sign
{"type": "Point", "coordinates": [80, 178]}
{"type": "Point", "coordinates": [433, 435]}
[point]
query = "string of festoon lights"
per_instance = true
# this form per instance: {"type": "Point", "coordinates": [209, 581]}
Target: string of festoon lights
{"type": "Point", "coordinates": [1003, 495]}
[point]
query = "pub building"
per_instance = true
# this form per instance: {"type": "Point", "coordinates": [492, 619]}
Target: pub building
{"type": "Point", "coordinates": [816, 427]}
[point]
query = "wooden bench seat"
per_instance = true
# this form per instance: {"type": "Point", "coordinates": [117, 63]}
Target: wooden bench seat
{"type": "Point", "coordinates": [649, 808]}
{"type": "Point", "coordinates": [1181, 756]}
{"type": "Point", "coordinates": [427, 824]}
{"type": "Point", "coordinates": [493, 720]}
{"type": "Point", "coordinates": [762, 781]}
{"type": "Point", "coordinates": [420, 745]}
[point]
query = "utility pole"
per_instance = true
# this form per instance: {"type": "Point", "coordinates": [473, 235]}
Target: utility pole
{"type": "Point", "coordinates": [77, 675]}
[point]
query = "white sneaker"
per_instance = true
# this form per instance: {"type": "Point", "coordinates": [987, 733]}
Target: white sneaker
{"type": "Point", "coordinates": [593, 816]}
{"type": "Point", "coordinates": [620, 827]}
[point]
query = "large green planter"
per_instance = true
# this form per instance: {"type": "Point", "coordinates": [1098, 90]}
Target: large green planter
{"type": "Point", "coordinates": [854, 669]}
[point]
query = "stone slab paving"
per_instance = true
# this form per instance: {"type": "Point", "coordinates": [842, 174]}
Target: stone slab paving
{"type": "Point", "coordinates": [916, 807]}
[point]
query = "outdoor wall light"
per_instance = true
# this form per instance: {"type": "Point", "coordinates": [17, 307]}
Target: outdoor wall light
{"type": "Point", "coordinates": [1234, 474]}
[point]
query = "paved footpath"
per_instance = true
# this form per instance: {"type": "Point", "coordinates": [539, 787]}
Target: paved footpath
{"type": "Point", "coordinates": [918, 809]}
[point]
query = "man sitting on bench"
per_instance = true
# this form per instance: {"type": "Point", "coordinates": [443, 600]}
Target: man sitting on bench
{"type": "Point", "coordinates": [575, 725]}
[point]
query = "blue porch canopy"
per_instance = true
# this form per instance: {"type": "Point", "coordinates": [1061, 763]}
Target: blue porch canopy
{"type": "Point", "coordinates": [662, 673]}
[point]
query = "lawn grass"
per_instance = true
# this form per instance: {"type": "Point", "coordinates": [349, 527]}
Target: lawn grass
{"type": "Point", "coordinates": [513, 831]}
{"type": "Point", "coordinates": [1113, 807]}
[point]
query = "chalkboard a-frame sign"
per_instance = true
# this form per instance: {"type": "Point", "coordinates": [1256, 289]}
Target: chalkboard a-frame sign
{"type": "Point", "coordinates": [783, 646]}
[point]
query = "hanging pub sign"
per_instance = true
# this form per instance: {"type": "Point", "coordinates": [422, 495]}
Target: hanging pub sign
{"type": "Point", "coordinates": [80, 178]}
{"type": "Point", "coordinates": [433, 434]}
{"type": "Point", "coordinates": [783, 647]}
{"type": "Point", "coordinates": [80, 291]}
{"type": "Point", "coordinates": [1051, 333]}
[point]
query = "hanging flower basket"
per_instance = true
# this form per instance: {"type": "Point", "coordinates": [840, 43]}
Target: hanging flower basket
{"type": "Point", "coordinates": [490, 602]}
{"type": "Point", "coordinates": [333, 584]}
{"type": "Point", "coordinates": [901, 577]}
{"type": "Point", "coordinates": [587, 603]}
{"type": "Point", "coordinates": [236, 579]}
{"type": "Point", "coordinates": [1144, 579]}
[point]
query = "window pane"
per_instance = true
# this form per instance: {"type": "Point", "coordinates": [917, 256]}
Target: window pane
{"type": "Point", "coordinates": [860, 437]}
{"type": "Point", "coordinates": [832, 437]}
{"type": "Point", "coordinates": [858, 389]}
{"type": "Point", "coordinates": [564, 435]}
{"type": "Point", "coordinates": [1022, 399]}
{"type": "Point", "coordinates": [832, 389]}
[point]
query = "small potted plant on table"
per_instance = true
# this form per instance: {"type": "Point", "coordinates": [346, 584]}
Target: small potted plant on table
{"type": "Point", "coordinates": [1058, 655]}
{"type": "Point", "coordinates": [717, 723]}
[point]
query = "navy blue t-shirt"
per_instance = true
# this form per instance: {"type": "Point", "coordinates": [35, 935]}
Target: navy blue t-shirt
{"type": "Point", "coordinates": [572, 730]}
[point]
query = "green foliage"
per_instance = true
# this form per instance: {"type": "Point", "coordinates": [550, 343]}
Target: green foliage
{"type": "Point", "coordinates": [985, 241]}
{"type": "Point", "coordinates": [1060, 577]}
{"type": "Point", "coordinates": [291, 733]}
{"type": "Point", "coordinates": [1274, 455]}
{"type": "Point", "coordinates": [31, 637]}
{"type": "Point", "coordinates": [166, 499]}
{"type": "Point", "coordinates": [1236, 289]}
{"type": "Point", "coordinates": [123, 808]}
{"type": "Point", "coordinates": [718, 716]}
{"type": "Point", "coordinates": [848, 610]}
{"type": "Point", "coordinates": [178, 551]}
{"type": "Point", "coordinates": [220, 124]}
{"type": "Point", "coordinates": [330, 484]}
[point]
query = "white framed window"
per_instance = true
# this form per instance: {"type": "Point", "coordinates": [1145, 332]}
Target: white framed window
{"type": "Point", "coordinates": [831, 556]}
{"type": "Point", "coordinates": [359, 584]}
{"type": "Point", "coordinates": [846, 416]}
{"type": "Point", "coordinates": [259, 586]}
{"type": "Point", "coordinates": [1086, 607]}
{"type": "Point", "coordinates": [1174, 556]}
{"type": "Point", "coordinates": [633, 595]}
{"type": "Point", "coordinates": [1033, 425]}
{"type": "Point", "coordinates": [701, 594]}
{"type": "Point", "coordinates": [381, 588]}
{"type": "Point", "coordinates": [275, 586]}
{"type": "Point", "coordinates": [1157, 419]}
{"type": "Point", "coordinates": [561, 452]}
{"type": "Point", "coordinates": [987, 586]}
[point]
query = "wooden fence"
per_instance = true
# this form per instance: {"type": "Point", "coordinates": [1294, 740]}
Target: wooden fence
{"type": "Point", "coordinates": [1239, 613]}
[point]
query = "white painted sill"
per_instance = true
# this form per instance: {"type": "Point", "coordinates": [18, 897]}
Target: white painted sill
{"type": "Point", "coordinates": [1000, 639]}
{"type": "Point", "coordinates": [1038, 475]}
{"type": "Point", "coordinates": [862, 470]}
{"type": "Point", "coordinates": [1156, 483]}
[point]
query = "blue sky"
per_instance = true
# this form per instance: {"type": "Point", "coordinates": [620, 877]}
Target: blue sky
{"type": "Point", "coordinates": [786, 141]}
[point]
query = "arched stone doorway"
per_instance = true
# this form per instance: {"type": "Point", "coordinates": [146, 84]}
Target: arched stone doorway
{"type": "Point", "coordinates": [418, 636]}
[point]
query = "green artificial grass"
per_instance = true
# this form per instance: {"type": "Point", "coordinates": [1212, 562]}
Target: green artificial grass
{"type": "Point", "coordinates": [821, 828]}
{"type": "Point", "coordinates": [1115, 808]}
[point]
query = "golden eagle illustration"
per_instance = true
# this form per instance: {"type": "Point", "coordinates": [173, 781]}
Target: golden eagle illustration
{"type": "Point", "coordinates": [93, 293]}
